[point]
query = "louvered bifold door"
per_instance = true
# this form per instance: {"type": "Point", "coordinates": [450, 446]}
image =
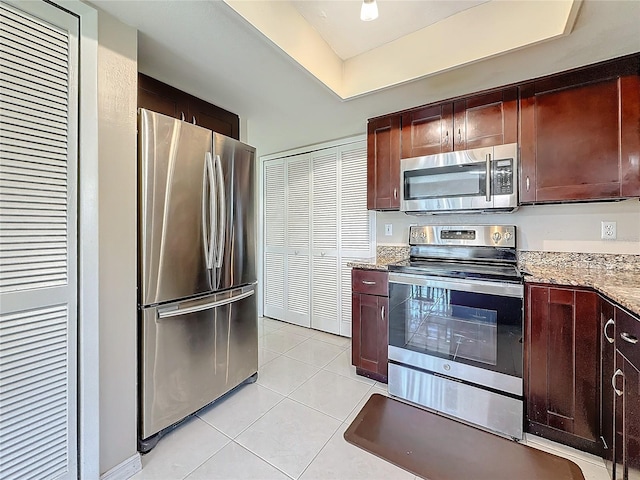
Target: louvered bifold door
{"type": "Point", "coordinates": [297, 238]}
{"type": "Point", "coordinates": [324, 253]}
{"type": "Point", "coordinates": [38, 205]}
{"type": "Point", "coordinates": [274, 228]}
{"type": "Point", "coordinates": [356, 237]}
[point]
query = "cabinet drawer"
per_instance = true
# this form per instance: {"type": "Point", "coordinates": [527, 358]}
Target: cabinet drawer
{"type": "Point", "coordinates": [372, 282]}
{"type": "Point", "coordinates": [628, 332]}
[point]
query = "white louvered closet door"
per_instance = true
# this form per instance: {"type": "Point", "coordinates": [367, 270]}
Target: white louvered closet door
{"type": "Point", "coordinates": [297, 238]}
{"type": "Point", "coordinates": [356, 238]}
{"type": "Point", "coordinates": [275, 227]}
{"type": "Point", "coordinates": [324, 260]}
{"type": "Point", "coordinates": [38, 247]}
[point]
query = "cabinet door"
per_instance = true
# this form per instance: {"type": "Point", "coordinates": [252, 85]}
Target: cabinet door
{"type": "Point", "coordinates": [627, 418]}
{"type": "Point", "coordinates": [370, 334]}
{"type": "Point", "coordinates": [162, 98]}
{"type": "Point", "coordinates": [427, 130]}
{"type": "Point", "coordinates": [383, 163]}
{"type": "Point", "coordinates": [579, 135]}
{"type": "Point", "coordinates": [214, 118]}
{"type": "Point", "coordinates": [486, 120]}
{"type": "Point", "coordinates": [563, 354]}
{"type": "Point", "coordinates": [631, 409]}
{"type": "Point", "coordinates": [607, 368]}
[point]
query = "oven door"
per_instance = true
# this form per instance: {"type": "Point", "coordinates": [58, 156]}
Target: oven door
{"type": "Point", "coordinates": [469, 330]}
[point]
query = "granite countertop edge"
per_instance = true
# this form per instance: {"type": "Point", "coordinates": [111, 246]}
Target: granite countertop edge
{"type": "Point", "coordinates": [379, 263]}
{"type": "Point", "coordinates": [620, 286]}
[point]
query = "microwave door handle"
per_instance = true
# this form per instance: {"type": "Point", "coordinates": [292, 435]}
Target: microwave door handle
{"type": "Point", "coordinates": [488, 178]}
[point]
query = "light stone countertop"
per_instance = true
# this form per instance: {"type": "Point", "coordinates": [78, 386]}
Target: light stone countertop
{"type": "Point", "coordinates": [621, 286]}
{"type": "Point", "coordinates": [374, 263]}
{"type": "Point", "coordinates": [617, 277]}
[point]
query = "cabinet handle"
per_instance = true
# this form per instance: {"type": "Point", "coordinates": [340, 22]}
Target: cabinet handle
{"type": "Point", "coordinates": [527, 183]}
{"type": "Point", "coordinates": [395, 193]}
{"type": "Point", "coordinates": [627, 337]}
{"type": "Point", "coordinates": [460, 135]}
{"type": "Point", "coordinates": [604, 330]}
{"type": "Point", "coordinates": [368, 282]}
{"type": "Point", "coordinates": [613, 382]}
{"type": "Point", "coordinates": [322, 254]}
{"type": "Point", "coordinates": [182, 116]}
{"type": "Point", "coordinates": [382, 313]}
{"type": "Point", "coordinates": [446, 137]}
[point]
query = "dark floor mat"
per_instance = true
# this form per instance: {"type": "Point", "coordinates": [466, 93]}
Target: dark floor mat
{"type": "Point", "coordinates": [437, 448]}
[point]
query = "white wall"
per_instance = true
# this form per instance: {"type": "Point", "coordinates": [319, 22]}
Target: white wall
{"type": "Point", "coordinates": [117, 99]}
{"type": "Point", "coordinates": [557, 228]}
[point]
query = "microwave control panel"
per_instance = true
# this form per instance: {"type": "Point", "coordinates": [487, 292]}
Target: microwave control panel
{"type": "Point", "coordinates": [502, 177]}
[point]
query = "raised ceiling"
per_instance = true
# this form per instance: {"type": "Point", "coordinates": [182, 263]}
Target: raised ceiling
{"type": "Point", "coordinates": [462, 34]}
{"type": "Point", "coordinates": [207, 49]}
{"type": "Point", "coordinates": [337, 21]}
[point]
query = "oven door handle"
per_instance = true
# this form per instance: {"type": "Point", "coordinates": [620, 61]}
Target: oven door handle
{"type": "Point", "coordinates": [501, 289]}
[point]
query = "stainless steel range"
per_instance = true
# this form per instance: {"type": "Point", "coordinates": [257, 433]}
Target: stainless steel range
{"type": "Point", "coordinates": [455, 325]}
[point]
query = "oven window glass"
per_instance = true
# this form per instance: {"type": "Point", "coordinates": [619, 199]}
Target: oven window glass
{"type": "Point", "coordinates": [452, 181]}
{"type": "Point", "coordinates": [472, 328]}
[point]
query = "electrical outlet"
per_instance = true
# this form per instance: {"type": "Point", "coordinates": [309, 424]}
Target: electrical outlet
{"type": "Point", "coordinates": [388, 229]}
{"type": "Point", "coordinates": [608, 231]}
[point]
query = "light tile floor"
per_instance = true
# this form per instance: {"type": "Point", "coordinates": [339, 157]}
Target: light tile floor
{"type": "Point", "coordinates": [290, 424]}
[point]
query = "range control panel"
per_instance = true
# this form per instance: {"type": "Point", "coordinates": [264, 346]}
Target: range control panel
{"type": "Point", "coordinates": [478, 235]}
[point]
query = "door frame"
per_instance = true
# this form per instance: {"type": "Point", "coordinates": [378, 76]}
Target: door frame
{"type": "Point", "coordinates": [88, 268]}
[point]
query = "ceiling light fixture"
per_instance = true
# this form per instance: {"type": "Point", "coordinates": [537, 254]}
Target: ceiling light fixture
{"type": "Point", "coordinates": [369, 10]}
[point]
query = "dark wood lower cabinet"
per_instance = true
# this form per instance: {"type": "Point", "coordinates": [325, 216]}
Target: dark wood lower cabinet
{"type": "Point", "coordinates": [607, 368]}
{"type": "Point", "coordinates": [562, 388]}
{"type": "Point", "coordinates": [627, 404]}
{"type": "Point", "coordinates": [370, 324]}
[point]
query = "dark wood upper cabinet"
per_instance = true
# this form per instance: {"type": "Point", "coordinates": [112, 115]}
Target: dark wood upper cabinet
{"type": "Point", "coordinates": [383, 163]}
{"type": "Point", "coordinates": [162, 98]}
{"type": "Point", "coordinates": [563, 354]}
{"type": "Point", "coordinates": [483, 120]}
{"type": "Point", "coordinates": [486, 120]}
{"type": "Point", "coordinates": [427, 130]}
{"type": "Point", "coordinates": [580, 134]}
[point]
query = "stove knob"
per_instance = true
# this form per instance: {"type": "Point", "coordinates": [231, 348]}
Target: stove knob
{"type": "Point", "coordinates": [496, 237]}
{"type": "Point", "coordinates": [507, 235]}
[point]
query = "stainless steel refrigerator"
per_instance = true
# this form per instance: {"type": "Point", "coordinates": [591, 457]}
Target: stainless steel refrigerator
{"type": "Point", "coordinates": [197, 277]}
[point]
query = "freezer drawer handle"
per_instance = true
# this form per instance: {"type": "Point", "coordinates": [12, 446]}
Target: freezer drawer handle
{"type": "Point", "coordinates": [206, 306]}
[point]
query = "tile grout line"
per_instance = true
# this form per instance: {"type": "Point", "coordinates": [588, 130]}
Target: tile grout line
{"type": "Point", "coordinates": [214, 453]}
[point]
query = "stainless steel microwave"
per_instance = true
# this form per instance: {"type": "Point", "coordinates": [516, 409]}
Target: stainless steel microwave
{"type": "Point", "coordinates": [482, 179]}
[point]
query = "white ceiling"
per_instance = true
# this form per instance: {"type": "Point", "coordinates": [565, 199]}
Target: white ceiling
{"type": "Point", "coordinates": [339, 25]}
{"type": "Point", "coordinates": [208, 50]}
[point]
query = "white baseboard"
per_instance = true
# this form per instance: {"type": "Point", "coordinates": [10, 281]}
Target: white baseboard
{"type": "Point", "coordinates": [124, 470]}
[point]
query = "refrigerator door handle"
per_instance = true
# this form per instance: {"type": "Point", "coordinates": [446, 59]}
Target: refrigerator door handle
{"type": "Point", "coordinates": [205, 229]}
{"type": "Point", "coordinates": [222, 211]}
{"type": "Point", "coordinates": [212, 207]}
{"type": "Point", "coordinates": [174, 312]}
